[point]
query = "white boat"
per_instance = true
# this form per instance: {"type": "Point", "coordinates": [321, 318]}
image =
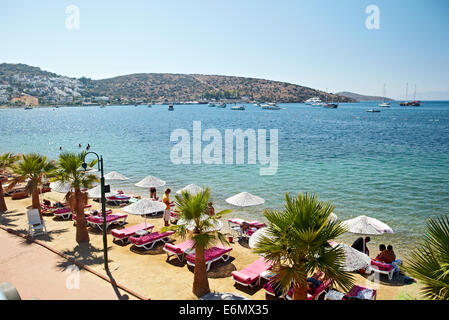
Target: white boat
{"type": "Point", "coordinates": [372, 110]}
{"type": "Point", "coordinates": [315, 101]}
{"type": "Point", "coordinates": [270, 106]}
{"type": "Point", "coordinates": [385, 104]}
{"type": "Point", "coordinates": [171, 108]}
{"type": "Point", "coordinates": [212, 105]}
{"type": "Point", "coordinates": [238, 108]}
{"type": "Point", "coordinates": [28, 108]}
{"type": "Point", "coordinates": [221, 105]}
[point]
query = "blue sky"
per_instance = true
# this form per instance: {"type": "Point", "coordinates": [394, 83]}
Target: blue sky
{"type": "Point", "coordinates": [322, 44]}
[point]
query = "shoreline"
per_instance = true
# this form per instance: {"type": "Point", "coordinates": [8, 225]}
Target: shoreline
{"type": "Point", "coordinates": [148, 272]}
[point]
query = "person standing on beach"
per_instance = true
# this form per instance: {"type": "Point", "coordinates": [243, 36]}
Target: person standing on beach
{"type": "Point", "coordinates": [360, 244]}
{"type": "Point", "coordinates": [153, 195]}
{"type": "Point", "coordinates": [166, 200]}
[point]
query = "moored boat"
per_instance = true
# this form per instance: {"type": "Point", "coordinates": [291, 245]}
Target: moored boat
{"type": "Point", "coordinates": [238, 108]}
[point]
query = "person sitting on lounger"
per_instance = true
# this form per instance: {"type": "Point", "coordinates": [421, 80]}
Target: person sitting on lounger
{"type": "Point", "coordinates": [245, 227]}
{"type": "Point", "coordinates": [47, 202]}
{"type": "Point", "coordinates": [314, 282]}
{"type": "Point", "coordinates": [382, 249]}
{"type": "Point", "coordinates": [360, 245]}
{"type": "Point", "coordinates": [391, 256]}
{"type": "Point", "coordinates": [59, 205]}
{"type": "Point", "coordinates": [210, 209]}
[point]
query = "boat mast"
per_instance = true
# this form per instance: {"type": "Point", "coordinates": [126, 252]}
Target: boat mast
{"type": "Point", "coordinates": [406, 91]}
{"type": "Point", "coordinates": [414, 95]}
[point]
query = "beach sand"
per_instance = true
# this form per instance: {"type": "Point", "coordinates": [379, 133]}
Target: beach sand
{"type": "Point", "coordinates": [148, 272]}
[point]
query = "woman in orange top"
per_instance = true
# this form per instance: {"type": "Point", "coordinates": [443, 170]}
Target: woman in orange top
{"type": "Point", "coordinates": [166, 200]}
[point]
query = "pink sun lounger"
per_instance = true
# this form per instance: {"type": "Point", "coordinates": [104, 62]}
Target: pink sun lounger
{"type": "Point", "coordinates": [124, 234]}
{"type": "Point", "coordinates": [63, 213]}
{"type": "Point", "coordinates": [250, 275]}
{"type": "Point", "coordinates": [148, 241]}
{"type": "Point", "coordinates": [238, 222]}
{"type": "Point", "coordinates": [179, 249]}
{"type": "Point", "coordinates": [97, 221]}
{"type": "Point", "coordinates": [211, 255]}
{"type": "Point", "coordinates": [354, 293]}
{"type": "Point", "coordinates": [316, 295]}
{"type": "Point", "coordinates": [383, 268]}
{"type": "Point", "coordinates": [289, 296]}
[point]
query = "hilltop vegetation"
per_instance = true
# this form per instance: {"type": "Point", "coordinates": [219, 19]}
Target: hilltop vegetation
{"type": "Point", "coordinates": [17, 79]}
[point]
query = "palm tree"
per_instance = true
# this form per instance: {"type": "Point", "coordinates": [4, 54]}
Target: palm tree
{"type": "Point", "coordinates": [33, 168]}
{"type": "Point", "coordinates": [69, 171]}
{"type": "Point", "coordinates": [7, 161]}
{"type": "Point", "coordinates": [193, 210]}
{"type": "Point", "coordinates": [429, 262]}
{"type": "Point", "coordinates": [297, 244]}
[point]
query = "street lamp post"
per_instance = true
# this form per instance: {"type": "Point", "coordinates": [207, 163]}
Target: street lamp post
{"type": "Point", "coordinates": [104, 189]}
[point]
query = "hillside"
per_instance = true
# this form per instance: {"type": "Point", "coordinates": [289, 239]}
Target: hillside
{"type": "Point", "coordinates": [185, 87]}
{"type": "Point", "coordinates": [360, 97]}
{"type": "Point", "coordinates": [50, 88]}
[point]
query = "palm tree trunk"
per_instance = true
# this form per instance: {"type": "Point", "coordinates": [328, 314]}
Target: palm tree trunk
{"type": "Point", "coordinates": [300, 291]}
{"type": "Point", "coordinates": [200, 281]}
{"type": "Point", "coordinates": [82, 236]}
{"type": "Point", "coordinates": [3, 207]}
{"type": "Point", "coordinates": [35, 204]}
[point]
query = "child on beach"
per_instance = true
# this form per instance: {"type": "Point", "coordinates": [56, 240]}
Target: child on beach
{"type": "Point", "coordinates": [210, 209]}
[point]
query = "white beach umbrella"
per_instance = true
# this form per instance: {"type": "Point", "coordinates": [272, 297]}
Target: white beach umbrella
{"type": "Point", "coordinates": [114, 175]}
{"type": "Point", "coordinates": [149, 182]}
{"type": "Point", "coordinates": [257, 236]}
{"type": "Point", "coordinates": [60, 187]}
{"type": "Point", "coordinates": [367, 225]}
{"type": "Point", "coordinates": [245, 199]}
{"type": "Point", "coordinates": [95, 193]}
{"type": "Point", "coordinates": [216, 224]}
{"type": "Point", "coordinates": [354, 259]}
{"type": "Point", "coordinates": [332, 217]}
{"type": "Point", "coordinates": [193, 189]}
{"type": "Point", "coordinates": [144, 207]}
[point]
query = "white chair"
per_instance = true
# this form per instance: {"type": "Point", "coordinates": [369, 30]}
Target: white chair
{"type": "Point", "coordinates": [35, 225]}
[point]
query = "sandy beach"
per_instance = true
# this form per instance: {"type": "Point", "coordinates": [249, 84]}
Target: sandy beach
{"type": "Point", "coordinates": [148, 272]}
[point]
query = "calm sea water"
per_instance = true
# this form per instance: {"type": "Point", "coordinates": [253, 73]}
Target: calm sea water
{"type": "Point", "coordinates": [392, 165]}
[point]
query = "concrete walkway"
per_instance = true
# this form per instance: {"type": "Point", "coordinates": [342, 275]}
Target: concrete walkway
{"type": "Point", "coordinates": [39, 273]}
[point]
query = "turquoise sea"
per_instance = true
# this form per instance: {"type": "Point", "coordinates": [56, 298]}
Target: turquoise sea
{"type": "Point", "coordinates": [392, 165]}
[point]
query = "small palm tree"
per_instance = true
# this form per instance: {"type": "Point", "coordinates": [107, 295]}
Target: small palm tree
{"type": "Point", "coordinates": [193, 210]}
{"type": "Point", "coordinates": [33, 169]}
{"type": "Point", "coordinates": [69, 170]}
{"type": "Point", "coordinates": [7, 161]}
{"type": "Point", "coordinates": [429, 262]}
{"type": "Point", "coordinates": [297, 242]}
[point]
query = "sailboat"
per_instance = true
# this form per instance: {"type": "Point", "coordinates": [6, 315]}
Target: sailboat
{"type": "Point", "coordinates": [385, 104]}
{"type": "Point", "coordinates": [405, 103]}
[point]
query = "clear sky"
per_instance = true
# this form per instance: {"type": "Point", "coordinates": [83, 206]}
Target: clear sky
{"type": "Point", "coordinates": [322, 44]}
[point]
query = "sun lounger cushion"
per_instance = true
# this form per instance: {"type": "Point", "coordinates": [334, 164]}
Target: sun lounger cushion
{"type": "Point", "coordinates": [178, 248]}
{"type": "Point", "coordinates": [109, 218]}
{"type": "Point", "coordinates": [252, 272]}
{"type": "Point", "coordinates": [361, 293]}
{"type": "Point", "coordinates": [150, 237]}
{"type": "Point", "coordinates": [382, 266]}
{"type": "Point", "coordinates": [61, 210]}
{"type": "Point", "coordinates": [127, 232]}
{"type": "Point", "coordinates": [255, 224]}
{"type": "Point", "coordinates": [210, 254]}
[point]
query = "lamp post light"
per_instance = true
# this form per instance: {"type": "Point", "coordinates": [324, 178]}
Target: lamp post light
{"type": "Point", "coordinates": [104, 189]}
